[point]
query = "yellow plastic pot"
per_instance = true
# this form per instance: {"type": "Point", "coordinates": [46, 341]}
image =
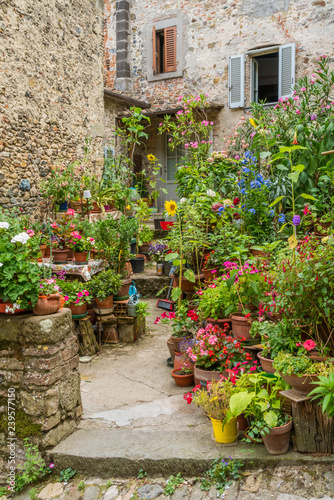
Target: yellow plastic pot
{"type": "Point", "coordinates": [226, 434]}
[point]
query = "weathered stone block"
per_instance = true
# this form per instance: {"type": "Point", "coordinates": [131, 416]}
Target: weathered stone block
{"type": "Point", "coordinates": [46, 378]}
{"type": "Point", "coordinates": [11, 377]}
{"type": "Point", "coordinates": [55, 435]}
{"type": "Point", "coordinates": [11, 364]}
{"type": "Point", "coordinates": [69, 390]}
{"type": "Point", "coordinates": [70, 351]}
{"type": "Point", "coordinates": [52, 421]}
{"type": "Point", "coordinates": [47, 329]}
{"type": "Point", "coordinates": [44, 364]}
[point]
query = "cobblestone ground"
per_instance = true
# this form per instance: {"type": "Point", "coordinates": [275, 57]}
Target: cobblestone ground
{"type": "Point", "coordinates": [283, 483]}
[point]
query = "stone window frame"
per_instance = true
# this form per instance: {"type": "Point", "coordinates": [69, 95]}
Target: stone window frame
{"type": "Point", "coordinates": [160, 25]}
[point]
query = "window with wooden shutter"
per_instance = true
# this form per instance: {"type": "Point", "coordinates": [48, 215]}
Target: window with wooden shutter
{"type": "Point", "coordinates": [154, 49]}
{"type": "Point", "coordinates": [170, 49]}
{"type": "Point", "coordinates": [286, 78]}
{"type": "Point", "coordinates": [236, 81]}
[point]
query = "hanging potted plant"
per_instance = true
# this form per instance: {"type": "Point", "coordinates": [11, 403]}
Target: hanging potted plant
{"type": "Point", "coordinates": [49, 298]}
{"type": "Point", "coordinates": [75, 295]}
{"type": "Point", "coordinates": [215, 403]}
{"type": "Point", "coordinates": [103, 287]}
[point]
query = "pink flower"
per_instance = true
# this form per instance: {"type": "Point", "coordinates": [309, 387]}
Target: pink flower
{"type": "Point", "coordinates": [77, 301]}
{"type": "Point", "coordinates": [30, 232]}
{"type": "Point", "coordinates": [214, 271]}
{"type": "Point", "coordinates": [157, 321]}
{"type": "Point", "coordinates": [309, 345]}
{"type": "Point", "coordinates": [86, 292]}
{"type": "Point", "coordinates": [54, 225]}
{"type": "Point", "coordinates": [80, 294]}
{"type": "Point", "coordinates": [252, 369]}
{"type": "Point", "coordinates": [70, 211]}
{"type": "Point", "coordinates": [66, 298]}
{"type": "Point", "coordinates": [303, 89]}
{"type": "Point", "coordinates": [51, 466]}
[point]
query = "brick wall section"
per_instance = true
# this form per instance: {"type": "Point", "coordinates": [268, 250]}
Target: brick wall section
{"type": "Point", "coordinates": [51, 89]}
{"type": "Point", "coordinates": [213, 31]}
{"type": "Point", "coordinates": [39, 358]}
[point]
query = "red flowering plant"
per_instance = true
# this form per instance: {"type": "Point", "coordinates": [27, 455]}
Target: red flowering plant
{"type": "Point", "coordinates": [216, 350]}
{"type": "Point", "coordinates": [80, 243]}
{"type": "Point", "coordinates": [74, 292]}
{"type": "Point", "coordinates": [183, 321]}
{"type": "Point", "coordinates": [62, 229]}
{"type": "Point", "coordinates": [211, 261]}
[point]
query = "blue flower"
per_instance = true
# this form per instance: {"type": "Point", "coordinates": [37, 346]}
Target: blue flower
{"type": "Point", "coordinates": [241, 182]}
{"type": "Point", "coordinates": [248, 154]}
{"type": "Point", "coordinates": [243, 191]}
{"type": "Point", "coordinates": [252, 210]}
{"type": "Point", "coordinates": [281, 218]}
{"type": "Point", "coordinates": [221, 210]}
{"type": "Point", "coordinates": [259, 178]}
{"type": "Point", "coordinates": [246, 170]}
{"type": "Point", "coordinates": [267, 182]}
{"type": "Point", "coordinates": [244, 162]}
{"type": "Point", "coordinates": [254, 159]}
{"type": "Point", "coordinates": [272, 213]}
{"type": "Point", "coordinates": [255, 185]}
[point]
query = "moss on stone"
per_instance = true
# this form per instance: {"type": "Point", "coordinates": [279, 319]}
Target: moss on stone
{"type": "Point", "coordinates": [24, 427]}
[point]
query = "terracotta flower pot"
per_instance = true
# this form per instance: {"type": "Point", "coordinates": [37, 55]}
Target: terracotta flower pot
{"type": "Point", "coordinates": [241, 326]}
{"type": "Point", "coordinates": [242, 422]}
{"type": "Point", "coordinates": [186, 285]}
{"type": "Point", "coordinates": [144, 247]}
{"type": "Point", "coordinates": [77, 310]}
{"type": "Point", "coordinates": [9, 304]}
{"type": "Point", "coordinates": [106, 303]}
{"type": "Point", "coordinates": [43, 250]}
{"type": "Point", "coordinates": [301, 384]}
{"type": "Point", "coordinates": [278, 439]}
{"type": "Point", "coordinates": [207, 375]}
{"type": "Point", "coordinates": [47, 252]}
{"type": "Point", "coordinates": [80, 256]}
{"type": "Point", "coordinates": [181, 360]}
{"type": "Point", "coordinates": [48, 304]}
{"type": "Point", "coordinates": [60, 255]}
{"type": "Point", "coordinates": [96, 208]}
{"type": "Point", "coordinates": [266, 363]}
{"type": "Point", "coordinates": [185, 380]}
{"type": "Point", "coordinates": [209, 275]}
{"type": "Point", "coordinates": [124, 290]}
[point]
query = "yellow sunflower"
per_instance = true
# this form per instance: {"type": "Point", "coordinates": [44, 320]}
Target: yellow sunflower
{"type": "Point", "coordinates": [170, 207]}
{"type": "Point", "coordinates": [252, 122]}
{"type": "Point", "coordinates": [151, 157]}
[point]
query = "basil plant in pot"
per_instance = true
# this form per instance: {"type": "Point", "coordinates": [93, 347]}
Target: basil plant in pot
{"type": "Point", "coordinates": [103, 286]}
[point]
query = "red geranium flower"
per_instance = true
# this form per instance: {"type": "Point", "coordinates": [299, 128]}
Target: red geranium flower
{"type": "Point", "coordinates": [236, 201]}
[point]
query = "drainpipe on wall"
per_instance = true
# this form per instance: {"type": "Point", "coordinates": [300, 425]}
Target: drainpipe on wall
{"type": "Point", "coordinates": [123, 81]}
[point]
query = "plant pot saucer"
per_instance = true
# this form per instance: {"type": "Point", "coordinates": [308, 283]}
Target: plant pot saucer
{"type": "Point", "coordinates": [250, 342]}
{"type": "Point", "coordinates": [79, 316]}
{"type": "Point", "coordinates": [119, 299]}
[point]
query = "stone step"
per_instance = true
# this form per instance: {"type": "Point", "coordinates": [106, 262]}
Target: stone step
{"type": "Point", "coordinates": [122, 453]}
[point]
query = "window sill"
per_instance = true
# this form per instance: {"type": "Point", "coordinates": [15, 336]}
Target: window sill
{"type": "Point", "coordinates": [164, 76]}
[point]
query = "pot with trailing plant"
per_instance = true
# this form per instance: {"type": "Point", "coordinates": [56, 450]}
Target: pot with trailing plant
{"type": "Point", "coordinates": [300, 371]}
{"type": "Point", "coordinates": [103, 287]}
{"type": "Point", "coordinates": [215, 352]}
{"type": "Point", "coordinates": [184, 376]}
{"type": "Point", "coordinates": [19, 271]}
{"type": "Point", "coordinates": [215, 404]}
{"type": "Point", "coordinates": [49, 298]}
{"type": "Point", "coordinates": [183, 322]}
{"type": "Point", "coordinates": [76, 296]}
{"type": "Point", "coordinates": [257, 397]}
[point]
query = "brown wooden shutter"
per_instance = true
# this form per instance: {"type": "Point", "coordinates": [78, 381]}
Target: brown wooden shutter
{"type": "Point", "coordinates": [154, 50]}
{"type": "Point", "coordinates": [170, 49]}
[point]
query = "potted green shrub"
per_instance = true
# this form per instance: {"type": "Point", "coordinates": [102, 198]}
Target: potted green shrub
{"type": "Point", "coordinates": [215, 303]}
{"type": "Point", "coordinates": [256, 396]}
{"type": "Point", "coordinates": [184, 376]}
{"type": "Point", "coordinates": [103, 286]}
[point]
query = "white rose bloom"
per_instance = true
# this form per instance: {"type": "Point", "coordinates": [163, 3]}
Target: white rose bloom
{"type": "Point", "coordinates": [183, 200]}
{"type": "Point", "coordinates": [4, 225]}
{"type": "Point", "coordinates": [20, 238]}
{"type": "Point", "coordinates": [210, 193]}
{"type": "Point", "coordinates": [1, 264]}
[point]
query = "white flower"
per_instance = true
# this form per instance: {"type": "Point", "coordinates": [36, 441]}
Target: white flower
{"type": "Point", "coordinates": [4, 225]}
{"type": "Point", "coordinates": [1, 264]}
{"type": "Point", "coordinates": [20, 238]}
{"type": "Point", "coordinates": [183, 200]}
{"type": "Point", "coordinates": [210, 193]}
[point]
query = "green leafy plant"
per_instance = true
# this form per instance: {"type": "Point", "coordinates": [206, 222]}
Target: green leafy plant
{"type": "Point", "coordinates": [221, 474]}
{"type": "Point", "coordinates": [172, 483]}
{"type": "Point", "coordinates": [33, 468]}
{"type": "Point", "coordinates": [325, 392]}
{"type": "Point", "coordinates": [104, 284]}
{"type": "Point", "coordinates": [300, 365]}
{"type": "Point", "coordinates": [215, 302]}
{"type": "Point", "coordinates": [33, 494]}
{"type": "Point", "coordinates": [66, 475]}
{"type": "Point", "coordinates": [74, 292]}
{"type": "Point", "coordinates": [82, 486]}
{"type": "Point", "coordinates": [141, 474]}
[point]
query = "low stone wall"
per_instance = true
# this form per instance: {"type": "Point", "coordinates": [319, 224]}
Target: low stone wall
{"type": "Point", "coordinates": [39, 381]}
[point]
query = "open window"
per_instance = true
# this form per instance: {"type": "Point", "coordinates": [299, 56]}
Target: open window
{"type": "Point", "coordinates": [272, 75]}
{"type": "Point", "coordinates": [164, 49]}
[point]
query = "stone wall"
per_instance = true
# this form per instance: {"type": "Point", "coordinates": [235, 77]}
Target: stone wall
{"type": "Point", "coordinates": [213, 31]}
{"type": "Point", "coordinates": [51, 90]}
{"type": "Point", "coordinates": [39, 364]}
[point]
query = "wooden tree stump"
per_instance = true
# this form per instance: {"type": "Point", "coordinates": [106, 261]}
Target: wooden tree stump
{"type": "Point", "coordinates": [314, 431]}
{"type": "Point", "coordinates": [88, 345]}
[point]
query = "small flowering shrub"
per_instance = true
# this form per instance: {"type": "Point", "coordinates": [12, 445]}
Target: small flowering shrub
{"type": "Point", "coordinates": [79, 243]}
{"type": "Point", "coordinates": [48, 286]}
{"type": "Point", "coordinates": [214, 401]}
{"type": "Point", "coordinates": [288, 364]}
{"type": "Point", "coordinates": [74, 292]}
{"type": "Point", "coordinates": [158, 251]}
{"type": "Point", "coordinates": [216, 350]}
{"type": "Point", "coordinates": [183, 321]}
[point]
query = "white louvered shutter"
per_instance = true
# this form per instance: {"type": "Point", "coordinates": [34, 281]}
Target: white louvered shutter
{"type": "Point", "coordinates": [286, 74]}
{"type": "Point", "coordinates": [236, 81]}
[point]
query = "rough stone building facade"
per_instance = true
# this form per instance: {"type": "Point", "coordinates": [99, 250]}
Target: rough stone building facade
{"type": "Point", "coordinates": [51, 90]}
{"type": "Point", "coordinates": [235, 51]}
